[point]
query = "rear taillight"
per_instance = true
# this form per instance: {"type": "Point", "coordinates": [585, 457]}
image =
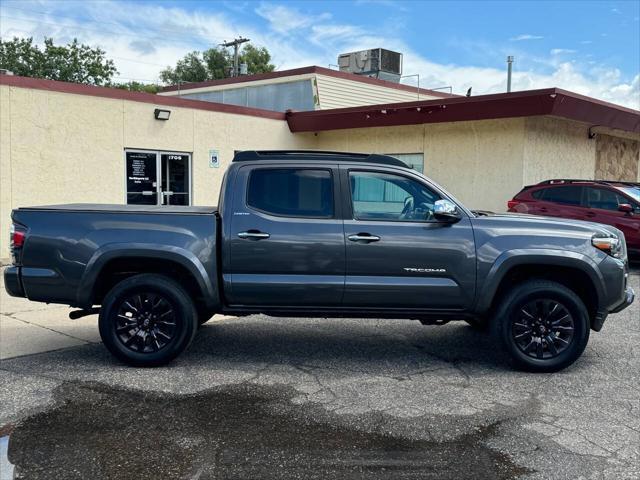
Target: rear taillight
{"type": "Point", "coordinates": [16, 241]}
{"type": "Point", "coordinates": [512, 203]}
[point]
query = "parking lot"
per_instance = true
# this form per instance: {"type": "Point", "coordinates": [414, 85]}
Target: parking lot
{"type": "Point", "coordinates": [262, 397]}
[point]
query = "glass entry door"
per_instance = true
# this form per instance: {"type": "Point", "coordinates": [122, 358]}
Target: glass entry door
{"type": "Point", "coordinates": [175, 178]}
{"type": "Point", "coordinates": [158, 178]}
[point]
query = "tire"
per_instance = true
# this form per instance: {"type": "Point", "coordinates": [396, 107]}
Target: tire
{"type": "Point", "coordinates": [160, 316]}
{"type": "Point", "coordinates": [543, 325]}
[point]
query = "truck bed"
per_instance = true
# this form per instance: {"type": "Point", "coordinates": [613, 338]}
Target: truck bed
{"type": "Point", "coordinates": [116, 208]}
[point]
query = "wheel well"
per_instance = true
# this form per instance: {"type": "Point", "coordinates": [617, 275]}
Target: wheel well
{"type": "Point", "coordinates": [572, 278]}
{"type": "Point", "coordinates": [116, 270]}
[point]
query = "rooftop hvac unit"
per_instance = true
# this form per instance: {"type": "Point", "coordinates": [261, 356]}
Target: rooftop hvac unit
{"type": "Point", "coordinates": [377, 63]}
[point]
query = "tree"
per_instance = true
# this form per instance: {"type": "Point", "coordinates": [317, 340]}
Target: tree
{"type": "Point", "coordinates": [213, 64]}
{"type": "Point", "coordinates": [191, 68]}
{"type": "Point", "coordinates": [134, 86]}
{"type": "Point", "coordinates": [74, 62]}
{"type": "Point", "coordinates": [257, 59]}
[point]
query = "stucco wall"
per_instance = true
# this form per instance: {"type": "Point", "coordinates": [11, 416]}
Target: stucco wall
{"type": "Point", "coordinates": [66, 148]}
{"type": "Point", "coordinates": [617, 158]}
{"type": "Point", "coordinates": [556, 148]}
{"type": "Point", "coordinates": [479, 162]}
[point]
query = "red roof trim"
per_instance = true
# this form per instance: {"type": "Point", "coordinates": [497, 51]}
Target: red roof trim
{"type": "Point", "coordinates": [304, 71]}
{"type": "Point", "coordinates": [552, 101]}
{"type": "Point", "coordinates": [118, 94]}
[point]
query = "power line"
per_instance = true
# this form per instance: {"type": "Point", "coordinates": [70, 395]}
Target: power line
{"type": "Point", "coordinates": [235, 44]}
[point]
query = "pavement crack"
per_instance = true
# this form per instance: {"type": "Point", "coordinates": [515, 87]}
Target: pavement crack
{"type": "Point", "coordinates": [13, 317]}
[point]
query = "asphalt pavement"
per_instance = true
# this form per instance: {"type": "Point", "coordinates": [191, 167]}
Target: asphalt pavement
{"type": "Point", "coordinates": [261, 397]}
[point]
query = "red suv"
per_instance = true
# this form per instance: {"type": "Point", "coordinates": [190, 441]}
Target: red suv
{"type": "Point", "coordinates": [609, 202]}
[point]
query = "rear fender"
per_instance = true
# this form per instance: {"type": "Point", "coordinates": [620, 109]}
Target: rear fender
{"type": "Point", "coordinates": [178, 255]}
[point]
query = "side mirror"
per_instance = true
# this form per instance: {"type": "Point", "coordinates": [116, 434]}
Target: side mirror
{"type": "Point", "coordinates": [446, 211]}
{"type": "Point", "coordinates": [626, 208]}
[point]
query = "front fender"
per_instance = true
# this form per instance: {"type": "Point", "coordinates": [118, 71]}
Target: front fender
{"type": "Point", "coordinates": [517, 257]}
{"type": "Point", "coordinates": [113, 251]}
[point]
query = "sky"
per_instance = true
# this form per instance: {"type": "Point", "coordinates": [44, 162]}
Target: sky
{"type": "Point", "coordinates": [588, 47]}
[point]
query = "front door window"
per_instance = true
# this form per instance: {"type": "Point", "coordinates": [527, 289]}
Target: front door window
{"type": "Point", "coordinates": [157, 178]}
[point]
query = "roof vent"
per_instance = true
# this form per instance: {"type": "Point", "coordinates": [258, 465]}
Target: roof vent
{"type": "Point", "coordinates": [376, 63]}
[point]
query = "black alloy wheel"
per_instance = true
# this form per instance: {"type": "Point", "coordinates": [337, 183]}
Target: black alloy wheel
{"type": "Point", "coordinates": [543, 328]}
{"type": "Point", "coordinates": [146, 322]}
{"type": "Point", "coordinates": [543, 325]}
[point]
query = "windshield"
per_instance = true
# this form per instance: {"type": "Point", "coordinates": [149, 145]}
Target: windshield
{"type": "Point", "coordinates": [633, 192]}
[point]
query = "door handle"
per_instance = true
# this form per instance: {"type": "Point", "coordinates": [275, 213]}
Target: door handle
{"type": "Point", "coordinates": [253, 234]}
{"type": "Point", "coordinates": [543, 209]}
{"type": "Point", "coordinates": [591, 214]}
{"type": "Point", "coordinates": [363, 237]}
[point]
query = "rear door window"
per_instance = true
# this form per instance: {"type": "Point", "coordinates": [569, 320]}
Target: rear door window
{"type": "Point", "coordinates": [604, 199]}
{"type": "Point", "coordinates": [292, 192]}
{"type": "Point", "coordinates": [565, 195]}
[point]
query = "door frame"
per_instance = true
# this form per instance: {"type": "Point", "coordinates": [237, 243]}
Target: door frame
{"type": "Point", "coordinates": [159, 173]}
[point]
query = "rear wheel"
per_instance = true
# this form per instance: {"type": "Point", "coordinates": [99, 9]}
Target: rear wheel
{"type": "Point", "coordinates": [543, 325]}
{"type": "Point", "coordinates": [147, 320]}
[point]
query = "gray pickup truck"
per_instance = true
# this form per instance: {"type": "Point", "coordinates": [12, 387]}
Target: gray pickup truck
{"type": "Point", "coordinates": [322, 234]}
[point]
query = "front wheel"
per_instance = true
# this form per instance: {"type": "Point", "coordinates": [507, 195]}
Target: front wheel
{"type": "Point", "coordinates": [543, 325]}
{"type": "Point", "coordinates": [147, 320]}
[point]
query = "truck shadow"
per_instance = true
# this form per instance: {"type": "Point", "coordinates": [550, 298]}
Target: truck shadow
{"type": "Point", "coordinates": [348, 344]}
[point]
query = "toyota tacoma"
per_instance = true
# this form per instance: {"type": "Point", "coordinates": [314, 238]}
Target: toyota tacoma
{"type": "Point", "coordinates": [322, 234]}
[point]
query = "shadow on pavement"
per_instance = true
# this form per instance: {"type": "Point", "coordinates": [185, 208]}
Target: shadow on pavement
{"type": "Point", "coordinates": [356, 343]}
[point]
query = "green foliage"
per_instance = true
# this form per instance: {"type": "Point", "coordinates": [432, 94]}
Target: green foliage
{"type": "Point", "coordinates": [74, 62]}
{"type": "Point", "coordinates": [212, 64]}
{"type": "Point", "coordinates": [257, 59]}
{"type": "Point", "coordinates": [134, 86]}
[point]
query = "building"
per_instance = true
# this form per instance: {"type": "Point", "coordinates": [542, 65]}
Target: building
{"type": "Point", "coordinates": [64, 143]}
{"type": "Point", "coordinates": [302, 89]}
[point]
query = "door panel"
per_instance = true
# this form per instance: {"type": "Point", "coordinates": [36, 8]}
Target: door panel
{"type": "Point", "coordinates": [280, 259]}
{"type": "Point", "coordinates": [175, 179]}
{"type": "Point", "coordinates": [142, 178]}
{"type": "Point", "coordinates": [417, 262]}
{"type": "Point", "coordinates": [564, 201]}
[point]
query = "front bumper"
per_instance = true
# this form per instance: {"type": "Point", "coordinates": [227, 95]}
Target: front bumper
{"type": "Point", "coordinates": [629, 296]}
{"type": "Point", "coordinates": [12, 282]}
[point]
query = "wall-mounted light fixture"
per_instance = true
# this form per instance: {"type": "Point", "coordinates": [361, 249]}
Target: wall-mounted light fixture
{"type": "Point", "coordinates": [161, 114]}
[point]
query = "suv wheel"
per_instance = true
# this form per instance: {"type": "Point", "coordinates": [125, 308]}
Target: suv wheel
{"type": "Point", "coordinates": [543, 325]}
{"type": "Point", "coordinates": [147, 320]}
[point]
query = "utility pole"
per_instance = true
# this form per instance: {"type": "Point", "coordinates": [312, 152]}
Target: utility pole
{"type": "Point", "coordinates": [509, 66]}
{"type": "Point", "coordinates": [235, 44]}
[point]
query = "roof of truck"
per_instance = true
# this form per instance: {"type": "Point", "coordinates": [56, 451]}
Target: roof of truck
{"type": "Point", "coordinates": [316, 155]}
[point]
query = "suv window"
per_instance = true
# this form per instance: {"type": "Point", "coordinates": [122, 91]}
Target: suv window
{"type": "Point", "coordinates": [383, 196]}
{"type": "Point", "coordinates": [604, 199]}
{"type": "Point", "coordinates": [537, 194]}
{"type": "Point", "coordinates": [567, 195]}
{"type": "Point", "coordinates": [292, 192]}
